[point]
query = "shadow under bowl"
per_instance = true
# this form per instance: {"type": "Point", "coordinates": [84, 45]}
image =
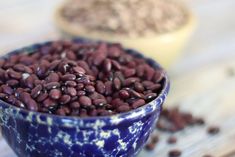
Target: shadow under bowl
{"type": "Point", "coordinates": [34, 134]}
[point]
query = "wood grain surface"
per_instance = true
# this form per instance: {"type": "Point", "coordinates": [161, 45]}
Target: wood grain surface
{"type": "Point", "coordinates": [201, 79]}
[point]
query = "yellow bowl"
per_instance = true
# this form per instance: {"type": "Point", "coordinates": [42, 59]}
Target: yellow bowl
{"type": "Point", "coordinates": [165, 47]}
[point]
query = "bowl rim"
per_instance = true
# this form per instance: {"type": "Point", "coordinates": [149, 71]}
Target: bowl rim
{"type": "Point", "coordinates": [70, 119]}
{"type": "Point", "coordinates": [72, 30]}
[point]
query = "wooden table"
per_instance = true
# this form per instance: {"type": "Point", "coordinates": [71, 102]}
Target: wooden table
{"type": "Point", "coordinates": [200, 79]}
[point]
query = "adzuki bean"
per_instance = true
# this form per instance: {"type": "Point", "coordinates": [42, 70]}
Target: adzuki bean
{"type": "Point", "coordinates": [174, 153]}
{"type": "Point", "coordinates": [79, 79]}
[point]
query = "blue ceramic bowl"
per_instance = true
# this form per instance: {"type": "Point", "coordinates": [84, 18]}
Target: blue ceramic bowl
{"type": "Point", "coordinates": [33, 134]}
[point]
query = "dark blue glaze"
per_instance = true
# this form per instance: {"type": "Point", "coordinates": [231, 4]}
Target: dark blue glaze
{"type": "Point", "coordinates": [33, 134]}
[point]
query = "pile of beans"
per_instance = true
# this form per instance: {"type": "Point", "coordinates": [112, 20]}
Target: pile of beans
{"type": "Point", "coordinates": [131, 18]}
{"type": "Point", "coordinates": [78, 79]}
{"type": "Point", "coordinates": [171, 121]}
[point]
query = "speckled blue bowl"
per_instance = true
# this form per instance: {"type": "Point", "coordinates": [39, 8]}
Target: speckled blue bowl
{"type": "Point", "coordinates": [33, 134]}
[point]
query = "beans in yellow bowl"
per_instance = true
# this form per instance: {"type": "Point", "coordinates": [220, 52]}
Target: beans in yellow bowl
{"type": "Point", "coordinates": [158, 28]}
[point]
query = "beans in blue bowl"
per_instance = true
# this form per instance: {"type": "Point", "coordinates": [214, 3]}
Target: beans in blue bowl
{"type": "Point", "coordinates": [79, 98]}
{"type": "Point", "coordinates": [79, 79]}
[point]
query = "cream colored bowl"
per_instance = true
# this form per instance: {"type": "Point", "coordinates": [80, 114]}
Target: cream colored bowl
{"type": "Point", "coordinates": [164, 47]}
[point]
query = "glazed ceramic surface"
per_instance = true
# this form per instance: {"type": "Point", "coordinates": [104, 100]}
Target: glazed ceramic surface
{"type": "Point", "coordinates": [33, 134]}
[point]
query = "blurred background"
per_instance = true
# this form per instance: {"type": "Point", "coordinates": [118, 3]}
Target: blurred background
{"type": "Point", "coordinates": [201, 65]}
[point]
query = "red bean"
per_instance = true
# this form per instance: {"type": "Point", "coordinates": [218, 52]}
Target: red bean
{"type": "Point", "coordinates": [40, 70]}
{"type": "Point", "coordinates": [93, 112]}
{"type": "Point", "coordinates": [124, 94]}
{"type": "Point", "coordinates": [199, 121]}
{"type": "Point", "coordinates": [154, 139]}
{"type": "Point", "coordinates": [84, 65]}
{"type": "Point", "coordinates": [79, 69]}
{"type": "Point", "coordinates": [85, 101]}
{"type": "Point", "coordinates": [70, 55]}
{"type": "Point", "coordinates": [55, 94]}
{"type": "Point", "coordinates": [64, 99]}
{"type": "Point", "coordinates": [117, 83]}
{"type": "Point", "coordinates": [117, 102]}
{"type": "Point", "coordinates": [99, 102]}
{"type": "Point", "coordinates": [52, 85]}
{"type": "Point", "coordinates": [147, 84]}
{"type": "Point", "coordinates": [63, 67]}
{"type": "Point", "coordinates": [174, 153]}
{"type": "Point", "coordinates": [80, 86]}
{"type": "Point", "coordinates": [172, 140]}
{"type": "Point", "coordinates": [2, 62]}
{"type": "Point", "coordinates": [12, 83]}
{"type": "Point", "coordinates": [109, 99]}
{"type": "Point", "coordinates": [100, 87]}
{"type": "Point", "coordinates": [53, 77]}
{"type": "Point", "coordinates": [138, 87]}
{"type": "Point", "coordinates": [49, 103]}
{"type": "Point", "coordinates": [19, 67]}
{"type": "Point", "coordinates": [46, 50]}
{"type": "Point", "coordinates": [140, 70]}
{"type": "Point", "coordinates": [150, 146]}
{"type": "Point", "coordinates": [103, 112]}
{"type": "Point", "coordinates": [32, 105]}
{"type": "Point", "coordinates": [138, 103]}
{"type": "Point", "coordinates": [131, 80]}
{"type": "Point", "coordinates": [83, 113]}
{"type": "Point", "coordinates": [149, 72]}
{"type": "Point", "coordinates": [74, 98]}
{"type": "Point", "coordinates": [2, 73]}
{"type": "Point", "coordinates": [108, 87]}
{"type": "Point", "coordinates": [154, 87]}
{"type": "Point", "coordinates": [61, 112]}
{"type": "Point", "coordinates": [89, 89]}
{"type": "Point", "coordinates": [66, 109]}
{"type": "Point", "coordinates": [101, 54]}
{"type": "Point", "coordinates": [213, 130]}
{"type": "Point", "coordinates": [68, 77]}
{"type": "Point", "coordinates": [3, 95]}
{"type": "Point", "coordinates": [128, 72]}
{"type": "Point", "coordinates": [29, 81]}
{"type": "Point", "coordinates": [116, 65]}
{"type": "Point", "coordinates": [36, 91]}
{"type": "Point", "coordinates": [71, 91]}
{"type": "Point", "coordinates": [107, 65]}
{"type": "Point", "coordinates": [7, 89]}
{"type": "Point", "coordinates": [75, 105]}
{"type": "Point", "coordinates": [150, 96]}
{"type": "Point", "coordinates": [81, 93]}
{"type": "Point", "coordinates": [158, 76]}
{"type": "Point", "coordinates": [71, 83]}
{"type": "Point", "coordinates": [136, 94]}
{"type": "Point", "coordinates": [19, 104]}
{"type": "Point", "coordinates": [13, 74]}
{"type": "Point", "coordinates": [123, 108]}
{"type": "Point", "coordinates": [11, 99]}
{"type": "Point", "coordinates": [42, 97]}
{"type": "Point", "coordinates": [54, 64]}
{"type": "Point", "coordinates": [114, 51]}
{"type": "Point", "coordinates": [96, 95]}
